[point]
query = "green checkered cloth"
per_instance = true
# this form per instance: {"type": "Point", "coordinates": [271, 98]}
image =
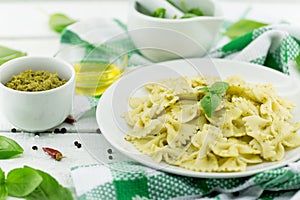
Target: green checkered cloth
{"type": "Point", "coordinates": [129, 181]}
{"type": "Point", "coordinates": [273, 46]}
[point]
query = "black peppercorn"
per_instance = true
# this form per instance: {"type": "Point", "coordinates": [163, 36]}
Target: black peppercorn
{"type": "Point", "coordinates": [78, 145]}
{"type": "Point", "coordinates": [109, 151]}
{"type": "Point", "coordinates": [34, 148]}
{"type": "Point", "coordinates": [63, 130]}
{"type": "Point", "coordinates": [56, 130]}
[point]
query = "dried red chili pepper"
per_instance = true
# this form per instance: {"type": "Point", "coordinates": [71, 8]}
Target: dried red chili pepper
{"type": "Point", "coordinates": [55, 154]}
{"type": "Point", "coordinates": [70, 119]}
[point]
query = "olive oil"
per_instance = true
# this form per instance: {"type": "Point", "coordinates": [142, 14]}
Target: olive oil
{"type": "Point", "coordinates": [93, 78]}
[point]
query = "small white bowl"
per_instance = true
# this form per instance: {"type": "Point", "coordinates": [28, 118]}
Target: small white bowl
{"type": "Point", "coordinates": [161, 39]}
{"type": "Point", "coordinates": [37, 111]}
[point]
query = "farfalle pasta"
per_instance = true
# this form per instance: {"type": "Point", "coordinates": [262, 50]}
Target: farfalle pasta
{"type": "Point", "coordinates": [251, 125]}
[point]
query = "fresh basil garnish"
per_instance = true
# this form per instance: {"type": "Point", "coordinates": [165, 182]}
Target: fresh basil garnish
{"type": "Point", "coordinates": [9, 148]}
{"type": "Point", "coordinates": [213, 97]}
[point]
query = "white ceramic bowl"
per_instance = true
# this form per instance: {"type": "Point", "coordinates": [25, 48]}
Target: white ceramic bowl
{"type": "Point", "coordinates": [37, 111]}
{"type": "Point", "coordinates": [164, 39]}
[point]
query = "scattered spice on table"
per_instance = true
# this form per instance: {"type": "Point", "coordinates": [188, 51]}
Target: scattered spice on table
{"type": "Point", "coordinates": [77, 144]}
{"type": "Point", "coordinates": [109, 151]}
{"type": "Point", "coordinates": [55, 154]}
{"type": "Point", "coordinates": [56, 130]}
{"type": "Point", "coordinates": [63, 130]}
{"type": "Point", "coordinates": [34, 148]}
{"type": "Point", "coordinates": [110, 157]}
{"type": "Point", "coordinates": [36, 134]}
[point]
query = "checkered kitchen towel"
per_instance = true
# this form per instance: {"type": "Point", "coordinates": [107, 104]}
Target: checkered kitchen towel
{"type": "Point", "coordinates": [132, 181]}
{"type": "Point", "coordinates": [273, 46]}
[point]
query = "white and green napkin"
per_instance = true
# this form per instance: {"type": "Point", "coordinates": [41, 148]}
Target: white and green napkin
{"type": "Point", "coordinates": [132, 181]}
{"type": "Point", "coordinates": [273, 46]}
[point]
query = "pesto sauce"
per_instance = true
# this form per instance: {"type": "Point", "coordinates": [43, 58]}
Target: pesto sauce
{"type": "Point", "coordinates": [34, 81]}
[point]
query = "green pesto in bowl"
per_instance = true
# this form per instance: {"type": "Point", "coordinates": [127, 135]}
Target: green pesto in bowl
{"type": "Point", "coordinates": [34, 81]}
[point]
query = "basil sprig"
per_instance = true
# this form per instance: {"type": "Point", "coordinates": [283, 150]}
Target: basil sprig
{"type": "Point", "coordinates": [31, 184]}
{"type": "Point", "coordinates": [9, 148]}
{"type": "Point", "coordinates": [213, 97]}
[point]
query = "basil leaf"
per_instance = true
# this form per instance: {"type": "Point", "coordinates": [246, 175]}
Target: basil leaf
{"type": "Point", "coordinates": [205, 89]}
{"type": "Point", "coordinates": [22, 181]}
{"type": "Point", "coordinates": [219, 87]}
{"type": "Point", "coordinates": [58, 22]}
{"type": "Point", "coordinates": [7, 54]}
{"type": "Point", "coordinates": [210, 102]}
{"type": "Point", "coordinates": [242, 27]}
{"type": "Point", "coordinates": [49, 189]}
{"type": "Point", "coordinates": [9, 148]}
{"type": "Point", "coordinates": [188, 15]}
{"type": "Point", "coordinates": [196, 11]}
{"type": "Point", "coordinates": [159, 13]}
{"type": "Point", "coordinates": [3, 188]}
{"type": "Point", "coordinates": [297, 60]}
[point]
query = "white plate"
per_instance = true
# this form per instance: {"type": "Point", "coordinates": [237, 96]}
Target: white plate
{"type": "Point", "coordinates": [114, 102]}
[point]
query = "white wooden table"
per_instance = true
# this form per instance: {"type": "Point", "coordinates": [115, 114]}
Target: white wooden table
{"type": "Point", "coordinates": [24, 26]}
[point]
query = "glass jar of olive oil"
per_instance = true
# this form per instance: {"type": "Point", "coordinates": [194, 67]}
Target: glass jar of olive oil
{"type": "Point", "coordinates": [94, 77]}
{"type": "Point", "coordinates": [95, 70]}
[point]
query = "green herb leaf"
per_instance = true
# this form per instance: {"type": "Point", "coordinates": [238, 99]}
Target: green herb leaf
{"type": "Point", "coordinates": [159, 13]}
{"type": "Point", "coordinates": [210, 102]}
{"type": "Point", "coordinates": [242, 27]}
{"type": "Point", "coordinates": [219, 87]}
{"type": "Point", "coordinates": [9, 148]}
{"type": "Point", "coordinates": [7, 54]}
{"type": "Point", "coordinates": [3, 188]}
{"type": "Point", "coordinates": [297, 60]}
{"type": "Point", "coordinates": [196, 11]}
{"type": "Point", "coordinates": [213, 98]}
{"type": "Point", "coordinates": [205, 89]}
{"type": "Point", "coordinates": [49, 189]}
{"type": "Point", "coordinates": [22, 181]}
{"type": "Point", "coordinates": [58, 22]}
{"type": "Point", "coordinates": [188, 15]}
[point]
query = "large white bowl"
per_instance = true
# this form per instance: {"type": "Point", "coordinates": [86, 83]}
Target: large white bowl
{"type": "Point", "coordinates": [164, 39]}
{"type": "Point", "coordinates": [37, 111]}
